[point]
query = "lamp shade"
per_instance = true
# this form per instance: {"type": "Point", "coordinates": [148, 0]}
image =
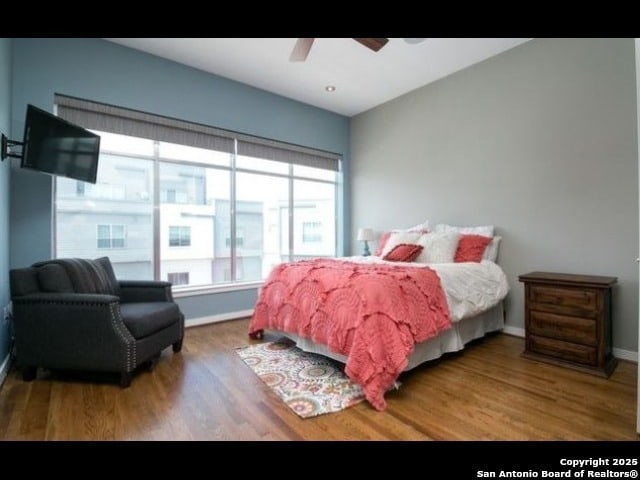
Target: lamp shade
{"type": "Point", "coordinates": [365, 234]}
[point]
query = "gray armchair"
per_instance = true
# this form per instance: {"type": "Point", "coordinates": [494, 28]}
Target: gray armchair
{"type": "Point", "coordinates": [73, 314]}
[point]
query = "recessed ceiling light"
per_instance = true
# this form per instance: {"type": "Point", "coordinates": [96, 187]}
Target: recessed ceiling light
{"type": "Point", "coordinates": [414, 41]}
{"type": "Point", "coordinates": [330, 88]}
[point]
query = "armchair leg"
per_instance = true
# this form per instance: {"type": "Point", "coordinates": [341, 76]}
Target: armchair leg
{"type": "Point", "coordinates": [125, 379]}
{"type": "Point", "coordinates": [151, 363]}
{"type": "Point", "coordinates": [29, 373]}
{"type": "Point", "coordinates": [177, 347]}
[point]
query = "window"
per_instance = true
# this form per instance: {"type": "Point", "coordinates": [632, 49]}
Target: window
{"type": "Point", "coordinates": [314, 219]}
{"type": "Point", "coordinates": [224, 212]}
{"type": "Point", "coordinates": [110, 236]}
{"type": "Point", "coordinates": [179, 236]}
{"type": "Point", "coordinates": [262, 201]}
{"type": "Point", "coordinates": [169, 196]}
{"type": "Point", "coordinates": [239, 237]}
{"type": "Point", "coordinates": [178, 278]}
{"type": "Point", "coordinates": [311, 232]}
{"type": "Point", "coordinates": [77, 217]}
{"type": "Point", "coordinates": [201, 203]}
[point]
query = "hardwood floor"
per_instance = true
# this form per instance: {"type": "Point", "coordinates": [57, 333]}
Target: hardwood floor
{"type": "Point", "coordinates": [207, 393]}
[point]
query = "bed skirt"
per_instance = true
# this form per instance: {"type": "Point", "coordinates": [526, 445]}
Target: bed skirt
{"type": "Point", "coordinates": [451, 340]}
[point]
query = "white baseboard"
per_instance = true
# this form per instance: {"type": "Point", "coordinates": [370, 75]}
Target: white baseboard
{"type": "Point", "coordinates": [515, 331]}
{"type": "Point", "coordinates": [628, 355]}
{"type": "Point", "coordinates": [4, 369]}
{"type": "Point", "coordinates": [222, 317]}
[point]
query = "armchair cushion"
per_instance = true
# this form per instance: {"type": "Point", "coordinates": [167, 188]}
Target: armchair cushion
{"type": "Point", "coordinates": [86, 276]}
{"type": "Point", "coordinates": [113, 284]}
{"type": "Point", "coordinates": [144, 319]}
{"type": "Point", "coordinates": [54, 279]}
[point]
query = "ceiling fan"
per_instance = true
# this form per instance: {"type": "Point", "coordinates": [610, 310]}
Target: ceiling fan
{"type": "Point", "coordinates": [303, 46]}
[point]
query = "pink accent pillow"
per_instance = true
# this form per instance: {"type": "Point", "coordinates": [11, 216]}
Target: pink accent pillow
{"type": "Point", "coordinates": [403, 252]}
{"type": "Point", "coordinates": [384, 238]}
{"type": "Point", "coordinates": [471, 248]}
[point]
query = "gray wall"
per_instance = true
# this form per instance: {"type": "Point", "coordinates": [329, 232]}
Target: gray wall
{"type": "Point", "coordinates": [5, 90]}
{"type": "Point", "coordinates": [539, 141]}
{"type": "Point", "coordinates": [105, 72]}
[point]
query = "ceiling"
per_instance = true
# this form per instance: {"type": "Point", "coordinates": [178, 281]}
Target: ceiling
{"type": "Point", "coordinates": [363, 78]}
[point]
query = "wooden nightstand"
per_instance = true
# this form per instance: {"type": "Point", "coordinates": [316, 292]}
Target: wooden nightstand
{"type": "Point", "coordinates": [568, 320]}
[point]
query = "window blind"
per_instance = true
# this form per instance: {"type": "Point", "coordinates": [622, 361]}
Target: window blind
{"type": "Point", "coordinates": [284, 152]}
{"type": "Point", "coordinates": [124, 121]}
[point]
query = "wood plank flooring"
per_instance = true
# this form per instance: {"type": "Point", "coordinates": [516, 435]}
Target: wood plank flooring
{"type": "Point", "coordinates": [485, 392]}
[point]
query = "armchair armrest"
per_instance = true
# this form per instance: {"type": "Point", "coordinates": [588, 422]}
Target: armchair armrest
{"type": "Point", "coordinates": [72, 330]}
{"type": "Point", "coordinates": [145, 291]}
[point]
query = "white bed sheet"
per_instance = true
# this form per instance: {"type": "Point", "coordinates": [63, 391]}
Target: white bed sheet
{"type": "Point", "coordinates": [471, 288]}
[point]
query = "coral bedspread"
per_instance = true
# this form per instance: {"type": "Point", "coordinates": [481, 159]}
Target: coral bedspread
{"type": "Point", "coordinates": [373, 314]}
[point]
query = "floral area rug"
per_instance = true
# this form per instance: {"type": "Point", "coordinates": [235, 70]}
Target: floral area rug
{"type": "Point", "coordinates": [308, 383]}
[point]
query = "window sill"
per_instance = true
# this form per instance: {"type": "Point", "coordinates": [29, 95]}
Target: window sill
{"type": "Point", "coordinates": [211, 289]}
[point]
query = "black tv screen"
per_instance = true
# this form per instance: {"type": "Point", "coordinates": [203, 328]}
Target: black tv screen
{"type": "Point", "coordinates": [53, 145]}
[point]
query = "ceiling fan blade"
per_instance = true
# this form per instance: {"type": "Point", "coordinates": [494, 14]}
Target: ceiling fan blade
{"type": "Point", "coordinates": [374, 44]}
{"type": "Point", "coordinates": [301, 49]}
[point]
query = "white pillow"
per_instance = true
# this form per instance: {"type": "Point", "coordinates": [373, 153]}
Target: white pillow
{"type": "Point", "coordinates": [485, 230]}
{"type": "Point", "coordinates": [491, 252]}
{"type": "Point", "coordinates": [421, 227]}
{"type": "Point", "coordinates": [396, 238]}
{"type": "Point", "coordinates": [438, 247]}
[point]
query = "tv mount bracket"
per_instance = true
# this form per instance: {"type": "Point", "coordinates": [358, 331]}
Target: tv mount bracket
{"type": "Point", "coordinates": [6, 146]}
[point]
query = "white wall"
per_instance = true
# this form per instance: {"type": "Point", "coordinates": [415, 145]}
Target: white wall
{"type": "Point", "coordinates": [638, 125]}
{"type": "Point", "coordinates": [540, 141]}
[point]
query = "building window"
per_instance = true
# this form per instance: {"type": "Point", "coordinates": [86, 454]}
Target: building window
{"type": "Point", "coordinates": [312, 232]}
{"type": "Point", "coordinates": [178, 278]}
{"type": "Point", "coordinates": [179, 236]}
{"type": "Point", "coordinates": [110, 236]}
{"type": "Point", "coordinates": [169, 195]}
{"type": "Point", "coordinates": [239, 238]}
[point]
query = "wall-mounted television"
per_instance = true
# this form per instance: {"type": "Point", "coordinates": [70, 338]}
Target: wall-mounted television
{"type": "Point", "coordinates": [57, 147]}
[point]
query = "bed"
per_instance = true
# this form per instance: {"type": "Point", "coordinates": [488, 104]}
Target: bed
{"type": "Point", "coordinates": [381, 317]}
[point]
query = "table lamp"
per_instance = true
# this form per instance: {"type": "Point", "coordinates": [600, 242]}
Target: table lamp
{"type": "Point", "coordinates": [365, 235]}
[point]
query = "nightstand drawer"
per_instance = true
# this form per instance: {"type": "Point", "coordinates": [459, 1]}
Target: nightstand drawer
{"type": "Point", "coordinates": [561, 327]}
{"type": "Point", "coordinates": [572, 352]}
{"type": "Point", "coordinates": [564, 297]}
